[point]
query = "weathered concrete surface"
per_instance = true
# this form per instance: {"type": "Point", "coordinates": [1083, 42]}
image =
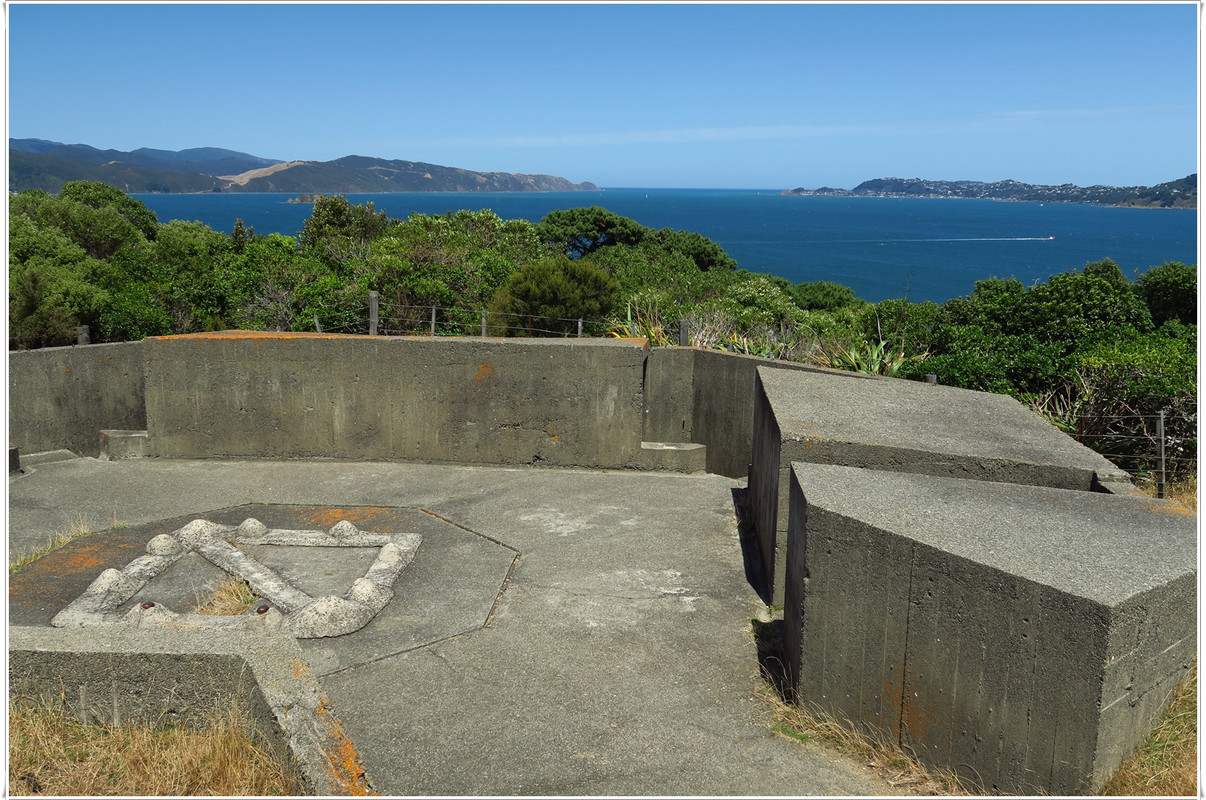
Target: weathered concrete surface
{"type": "Point", "coordinates": [167, 677]}
{"type": "Point", "coordinates": [619, 659]}
{"type": "Point", "coordinates": [449, 400]}
{"type": "Point", "coordinates": [62, 397]}
{"type": "Point", "coordinates": [1027, 637]}
{"type": "Point", "coordinates": [900, 426]}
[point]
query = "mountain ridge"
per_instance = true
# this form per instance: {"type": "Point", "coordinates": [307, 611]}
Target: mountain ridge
{"type": "Point", "coordinates": [46, 165]}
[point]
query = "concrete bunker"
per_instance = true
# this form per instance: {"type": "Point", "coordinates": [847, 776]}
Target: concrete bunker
{"type": "Point", "coordinates": [620, 405]}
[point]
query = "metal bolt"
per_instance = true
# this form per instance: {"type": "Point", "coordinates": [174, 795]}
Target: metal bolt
{"type": "Point", "coordinates": [261, 609]}
{"type": "Point", "coordinates": [148, 604]}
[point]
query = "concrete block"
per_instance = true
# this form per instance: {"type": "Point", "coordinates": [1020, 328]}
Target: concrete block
{"type": "Point", "coordinates": [866, 421]}
{"type": "Point", "coordinates": [1027, 637]}
{"type": "Point", "coordinates": [124, 444]}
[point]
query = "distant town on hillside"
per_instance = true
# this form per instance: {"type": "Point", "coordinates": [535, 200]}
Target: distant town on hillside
{"type": "Point", "coordinates": [1181, 193]}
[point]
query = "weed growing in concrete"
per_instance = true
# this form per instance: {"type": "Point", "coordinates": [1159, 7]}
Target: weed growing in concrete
{"type": "Point", "coordinates": [75, 529]}
{"type": "Point", "coordinates": [231, 598]}
{"type": "Point", "coordinates": [52, 754]}
{"type": "Point", "coordinates": [1167, 763]}
{"type": "Point", "coordinates": [905, 774]}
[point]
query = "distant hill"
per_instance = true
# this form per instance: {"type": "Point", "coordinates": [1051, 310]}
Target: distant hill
{"type": "Point", "coordinates": [42, 164]}
{"type": "Point", "coordinates": [1181, 193]}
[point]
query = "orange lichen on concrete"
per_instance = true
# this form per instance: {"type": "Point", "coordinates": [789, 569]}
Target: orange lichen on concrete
{"type": "Point", "coordinates": [1169, 507]}
{"type": "Point", "coordinates": [357, 515]}
{"type": "Point", "coordinates": [256, 335]}
{"type": "Point", "coordinates": [484, 371]}
{"type": "Point", "coordinates": [348, 772]}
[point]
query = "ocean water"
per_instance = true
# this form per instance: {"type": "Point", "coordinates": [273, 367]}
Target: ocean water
{"type": "Point", "coordinates": [883, 248]}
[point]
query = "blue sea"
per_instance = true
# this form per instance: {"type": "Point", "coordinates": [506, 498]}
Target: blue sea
{"type": "Point", "coordinates": [883, 248]}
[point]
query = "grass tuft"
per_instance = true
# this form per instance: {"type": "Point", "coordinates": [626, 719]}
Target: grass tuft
{"type": "Point", "coordinates": [52, 754]}
{"type": "Point", "coordinates": [902, 772]}
{"type": "Point", "coordinates": [75, 529]}
{"type": "Point", "coordinates": [232, 597]}
{"type": "Point", "coordinates": [1167, 763]}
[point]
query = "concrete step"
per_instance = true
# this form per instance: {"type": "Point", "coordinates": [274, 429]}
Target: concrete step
{"type": "Point", "coordinates": [673, 456]}
{"type": "Point", "coordinates": [115, 445]}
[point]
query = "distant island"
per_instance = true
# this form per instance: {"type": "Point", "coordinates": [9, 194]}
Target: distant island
{"type": "Point", "coordinates": [1181, 193]}
{"type": "Point", "coordinates": [47, 165]}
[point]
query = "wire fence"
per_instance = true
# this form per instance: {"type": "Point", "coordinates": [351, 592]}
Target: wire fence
{"type": "Point", "coordinates": [1157, 448]}
{"type": "Point", "coordinates": [398, 319]}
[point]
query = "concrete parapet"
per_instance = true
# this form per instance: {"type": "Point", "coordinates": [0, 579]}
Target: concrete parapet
{"type": "Point", "coordinates": [60, 397]}
{"type": "Point", "coordinates": [117, 677]}
{"type": "Point", "coordinates": [865, 421]}
{"type": "Point", "coordinates": [553, 402]}
{"type": "Point", "coordinates": [1027, 637]}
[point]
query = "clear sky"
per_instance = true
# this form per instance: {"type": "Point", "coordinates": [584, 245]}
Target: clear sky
{"type": "Point", "coordinates": [631, 95]}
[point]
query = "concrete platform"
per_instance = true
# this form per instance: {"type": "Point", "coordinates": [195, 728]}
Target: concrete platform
{"type": "Point", "coordinates": [564, 632]}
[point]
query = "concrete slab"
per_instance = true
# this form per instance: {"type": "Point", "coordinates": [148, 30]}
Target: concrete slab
{"type": "Point", "coordinates": [1025, 636]}
{"type": "Point", "coordinates": [617, 659]}
{"type": "Point", "coordinates": [901, 426]}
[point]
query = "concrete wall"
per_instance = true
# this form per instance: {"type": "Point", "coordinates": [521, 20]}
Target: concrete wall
{"type": "Point", "coordinates": [694, 394]}
{"type": "Point", "coordinates": [468, 401]}
{"type": "Point", "coordinates": [61, 398]}
{"type": "Point", "coordinates": [1027, 637]}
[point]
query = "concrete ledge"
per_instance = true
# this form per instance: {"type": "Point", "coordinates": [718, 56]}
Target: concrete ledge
{"type": "Point", "coordinates": [673, 456]}
{"type": "Point", "coordinates": [178, 676]}
{"type": "Point", "coordinates": [47, 457]}
{"type": "Point", "coordinates": [124, 444]}
{"type": "Point", "coordinates": [1027, 637]}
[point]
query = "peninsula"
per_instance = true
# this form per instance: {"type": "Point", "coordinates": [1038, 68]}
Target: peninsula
{"type": "Point", "coordinates": [1181, 193]}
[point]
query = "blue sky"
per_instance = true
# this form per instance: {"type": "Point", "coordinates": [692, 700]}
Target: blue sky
{"type": "Point", "coordinates": [631, 95]}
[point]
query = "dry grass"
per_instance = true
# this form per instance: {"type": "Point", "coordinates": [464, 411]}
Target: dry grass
{"type": "Point", "coordinates": [1167, 764]}
{"type": "Point", "coordinates": [232, 597]}
{"type": "Point", "coordinates": [51, 754]}
{"type": "Point", "coordinates": [1183, 491]}
{"type": "Point", "coordinates": [902, 772]}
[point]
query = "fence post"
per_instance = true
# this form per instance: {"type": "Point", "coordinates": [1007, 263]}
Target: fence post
{"type": "Point", "coordinates": [684, 334]}
{"type": "Point", "coordinates": [433, 309]}
{"type": "Point", "coordinates": [81, 335]}
{"type": "Point", "coordinates": [579, 327]}
{"type": "Point", "coordinates": [1160, 485]}
{"type": "Point", "coordinates": [317, 327]}
{"type": "Point", "coordinates": [374, 299]}
{"type": "Point", "coordinates": [483, 324]}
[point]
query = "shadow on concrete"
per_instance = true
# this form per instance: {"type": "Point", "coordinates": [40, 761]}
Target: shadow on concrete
{"type": "Point", "coordinates": [751, 556]}
{"type": "Point", "coordinates": [769, 638]}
